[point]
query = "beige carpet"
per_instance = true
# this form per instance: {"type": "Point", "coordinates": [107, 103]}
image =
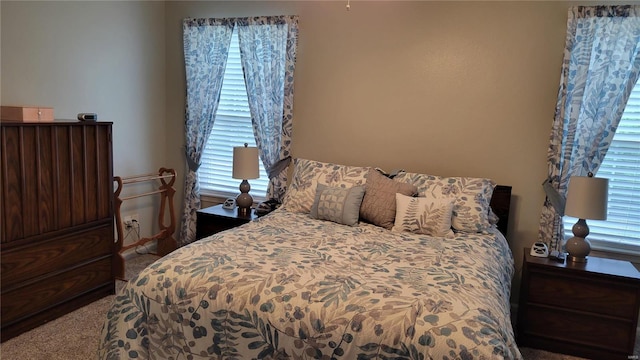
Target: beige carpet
{"type": "Point", "coordinates": [75, 336]}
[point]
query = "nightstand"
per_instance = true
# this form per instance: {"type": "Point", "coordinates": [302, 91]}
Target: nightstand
{"type": "Point", "coordinates": [582, 309]}
{"type": "Point", "coordinates": [214, 219]}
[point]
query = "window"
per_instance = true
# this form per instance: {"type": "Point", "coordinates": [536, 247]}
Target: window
{"type": "Point", "coordinates": [232, 127]}
{"type": "Point", "coordinates": [621, 231]}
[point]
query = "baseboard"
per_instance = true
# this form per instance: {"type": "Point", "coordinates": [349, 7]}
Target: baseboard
{"type": "Point", "coordinates": [148, 248]}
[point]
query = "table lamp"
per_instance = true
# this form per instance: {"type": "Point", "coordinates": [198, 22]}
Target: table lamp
{"type": "Point", "coordinates": [245, 166]}
{"type": "Point", "coordinates": [586, 199]}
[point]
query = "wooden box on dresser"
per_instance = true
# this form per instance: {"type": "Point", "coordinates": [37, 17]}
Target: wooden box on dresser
{"type": "Point", "coordinates": [56, 183]}
{"type": "Point", "coordinates": [587, 309]}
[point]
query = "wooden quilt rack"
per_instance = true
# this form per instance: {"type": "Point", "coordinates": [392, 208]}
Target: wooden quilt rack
{"type": "Point", "coordinates": [166, 242]}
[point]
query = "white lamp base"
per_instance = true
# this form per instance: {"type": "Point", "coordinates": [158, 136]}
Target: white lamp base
{"type": "Point", "coordinates": [578, 246]}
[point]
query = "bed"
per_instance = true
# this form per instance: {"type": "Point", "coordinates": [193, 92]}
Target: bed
{"type": "Point", "coordinates": [306, 282]}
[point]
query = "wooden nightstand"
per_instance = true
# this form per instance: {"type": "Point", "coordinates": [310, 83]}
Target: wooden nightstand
{"type": "Point", "coordinates": [214, 219]}
{"type": "Point", "coordinates": [588, 310]}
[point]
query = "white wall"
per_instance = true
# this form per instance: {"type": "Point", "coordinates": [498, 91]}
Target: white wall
{"type": "Point", "coordinates": [103, 57]}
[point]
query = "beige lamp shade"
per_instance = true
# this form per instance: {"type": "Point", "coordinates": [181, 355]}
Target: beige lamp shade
{"type": "Point", "coordinates": [587, 198]}
{"type": "Point", "coordinates": [245, 162]}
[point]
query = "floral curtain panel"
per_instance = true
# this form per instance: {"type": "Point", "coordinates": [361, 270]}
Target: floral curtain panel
{"type": "Point", "coordinates": [206, 46]}
{"type": "Point", "coordinates": [600, 67]}
{"type": "Point", "coordinates": [268, 52]}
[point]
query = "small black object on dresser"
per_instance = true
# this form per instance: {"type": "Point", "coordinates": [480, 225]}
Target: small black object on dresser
{"type": "Point", "coordinates": [88, 117]}
{"type": "Point", "coordinates": [583, 309]}
{"type": "Point", "coordinates": [215, 218]}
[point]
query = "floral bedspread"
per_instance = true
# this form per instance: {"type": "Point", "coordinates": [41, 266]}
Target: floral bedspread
{"type": "Point", "coordinates": [290, 287]}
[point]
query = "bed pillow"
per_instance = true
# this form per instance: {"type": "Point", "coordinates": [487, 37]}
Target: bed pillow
{"type": "Point", "coordinates": [337, 204]}
{"type": "Point", "coordinates": [307, 174]}
{"type": "Point", "coordinates": [424, 215]}
{"type": "Point", "coordinates": [379, 202]}
{"type": "Point", "coordinates": [473, 196]}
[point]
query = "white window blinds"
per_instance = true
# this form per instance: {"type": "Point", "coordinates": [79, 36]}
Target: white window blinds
{"type": "Point", "coordinates": [232, 127]}
{"type": "Point", "coordinates": [621, 231]}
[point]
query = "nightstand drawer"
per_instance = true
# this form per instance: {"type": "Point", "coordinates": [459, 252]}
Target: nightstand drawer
{"type": "Point", "coordinates": [207, 227]}
{"type": "Point", "coordinates": [214, 219]}
{"type": "Point", "coordinates": [553, 289]}
{"type": "Point", "coordinates": [578, 328]}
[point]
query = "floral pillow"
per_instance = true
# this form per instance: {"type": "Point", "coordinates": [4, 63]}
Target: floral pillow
{"type": "Point", "coordinates": [424, 215]}
{"type": "Point", "coordinates": [473, 196]}
{"type": "Point", "coordinates": [337, 204]}
{"type": "Point", "coordinates": [307, 174]}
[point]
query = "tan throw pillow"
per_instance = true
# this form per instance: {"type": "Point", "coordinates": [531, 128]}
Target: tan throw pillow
{"type": "Point", "coordinates": [421, 215]}
{"type": "Point", "coordinates": [379, 203]}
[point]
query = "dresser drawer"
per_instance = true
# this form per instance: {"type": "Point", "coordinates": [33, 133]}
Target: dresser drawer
{"type": "Point", "coordinates": [582, 294]}
{"type": "Point", "coordinates": [51, 291]}
{"type": "Point", "coordinates": [56, 254]}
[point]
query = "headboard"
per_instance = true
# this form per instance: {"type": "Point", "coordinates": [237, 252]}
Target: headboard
{"type": "Point", "coordinates": [500, 204]}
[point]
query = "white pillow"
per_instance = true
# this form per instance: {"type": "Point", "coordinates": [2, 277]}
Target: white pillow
{"type": "Point", "coordinates": [424, 215]}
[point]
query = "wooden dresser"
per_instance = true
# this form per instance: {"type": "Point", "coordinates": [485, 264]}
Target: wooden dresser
{"type": "Point", "coordinates": [587, 309]}
{"type": "Point", "coordinates": [56, 183]}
